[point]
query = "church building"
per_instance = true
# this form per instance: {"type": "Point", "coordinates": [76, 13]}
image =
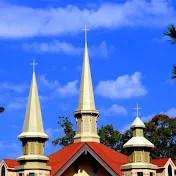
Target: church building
{"type": "Point", "coordinates": [86, 156]}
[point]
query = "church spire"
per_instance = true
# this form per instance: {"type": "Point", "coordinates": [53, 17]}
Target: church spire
{"type": "Point", "coordinates": [33, 124]}
{"type": "Point", "coordinates": [33, 137]}
{"type": "Point", "coordinates": [86, 115]}
{"type": "Point", "coordinates": [86, 99]}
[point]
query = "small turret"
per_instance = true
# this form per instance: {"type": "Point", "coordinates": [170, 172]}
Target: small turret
{"type": "Point", "coordinates": [138, 148]}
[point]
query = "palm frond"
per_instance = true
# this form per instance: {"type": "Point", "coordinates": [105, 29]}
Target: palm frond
{"type": "Point", "coordinates": [173, 72]}
{"type": "Point", "coordinates": [171, 33]}
{"type": "Point", "coordinates": [2, 110]}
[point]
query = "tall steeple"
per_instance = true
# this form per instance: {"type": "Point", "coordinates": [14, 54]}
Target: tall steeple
{"type": "Point", "coordinates": [86, 115]}
{"type": "Point", "coordinates": [33, 136]}
{"type": "Point", "coordinates": [138, 148]}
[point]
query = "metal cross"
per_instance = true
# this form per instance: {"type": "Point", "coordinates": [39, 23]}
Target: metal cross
{"type": "Point", "coordinates": [33, 64]}
{"type": "Point", "coordinates": [85, 29]}
{"type": "Point", "coordinates": [137, 110]}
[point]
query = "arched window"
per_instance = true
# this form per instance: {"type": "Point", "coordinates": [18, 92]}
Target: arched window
{"type": "Point", "coordinates": [169, 170]}
{"type": "Point", "coordinates": [3, 171]}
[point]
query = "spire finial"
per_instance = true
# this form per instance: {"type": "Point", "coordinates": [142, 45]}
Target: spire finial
{"type": "Point", "coordinates": [85, 29]}
{"type": "Point", "coordinates": [33, 64]}
{"type": "Point", "coordinates": [137, 110]}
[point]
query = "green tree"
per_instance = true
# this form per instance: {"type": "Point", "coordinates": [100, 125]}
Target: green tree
{"type": "Point", "coordinates": [158, 132]}
{"type": "Point", "coordinates": [171, 34]}
{"type": "Point", "coordinates": [2, 110]}
{"type": "Point", "coordinates": [161, 131]}
{"type": "Point", "coordinates": [110, 137]}
{"type": "Point", "coordinates": [126, 136]}
{"type": "Point", "coordinates": [67, 127]}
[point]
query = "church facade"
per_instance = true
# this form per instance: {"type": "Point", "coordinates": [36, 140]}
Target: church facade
{"type": "Point", "coordinates": [86, 156]}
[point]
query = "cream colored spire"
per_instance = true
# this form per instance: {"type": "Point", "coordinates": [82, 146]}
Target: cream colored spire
{"type": "Point", "coordinates": [86, 115]}
{"type": "Point", "coordinates": [33, 124]}
{"type": "Point", "coordinates": [86, 99]}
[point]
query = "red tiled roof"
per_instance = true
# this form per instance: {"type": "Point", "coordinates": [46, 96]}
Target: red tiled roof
{"type": "Point", "coordinates": [111, 157]}
{"type": "Point", "coordinates": [174, 161]}
{"type": "Point", "coordinates": [159, 162]}
{"type": "Point", "coordinates": [58, 159]}
{"type": "Point", "coordinates": [11, 163]}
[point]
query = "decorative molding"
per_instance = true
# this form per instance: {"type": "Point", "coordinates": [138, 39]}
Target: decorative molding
{"type": "Point", "coordinates": [4, 163]}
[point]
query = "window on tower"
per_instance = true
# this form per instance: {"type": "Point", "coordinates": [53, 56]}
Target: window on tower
{"type": "Point", "coordinates": [3, 171]}
{"type": "Point", "coordinates": [31, 174]}
{"type": "Point", "coordinates": [139, 173]}
{"type": "Point", "coordinates": [151, 173]}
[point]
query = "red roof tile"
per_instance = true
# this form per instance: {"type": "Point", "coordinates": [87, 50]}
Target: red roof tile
{"type": "Point", "coordinates": [174, 161]}
{"type": "Point", "coordinates": [58, 159]}
{"type": "Point", "coordinates": [113, 158]}
{"type": "Point", "coordinates": [11, 163]}
{"type": "Point", "coordinates": [159, 162]}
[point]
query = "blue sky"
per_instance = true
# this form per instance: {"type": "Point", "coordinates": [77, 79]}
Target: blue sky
{"type": "Point", "coordinates": [130, 61]}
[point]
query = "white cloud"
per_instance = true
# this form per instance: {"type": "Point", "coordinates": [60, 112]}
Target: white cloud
{"type": "Point", "coordinates": [24, 21]}
{"type": "Point", "coordinates": [16, 104]}
{"type": "Point", "coordinates": [11, 150]}
{"type": "Point", "coordinates": [114, 110]}
{"type": "Point", "coordinates": [14, 87]}
{"type": "Point", "coordinates": [45, 82]}
{"type": "Point", "coordinates": [147, 118]}
{"type": "Point", "coordinates": [57, 89]}
{"type": "Point", "coordinates": [78, 68]}
{"type": "Point", "coordinates": [102, 50]}
{"type": "Point", "coordinates": [126, 86]}
{"type": "Point", "coordinates": [69, 89]}
{"type": "Point", "coordinates": [171, 112]}
{"type": "Point", "coordinates": [44, 98]}
{"type": "Point", "coordinates": [54, 133]}
{"type": "Point", "coordinates": [54, 47]}
{"type": "Point", "coordinates": [124, 128]}
{"type": "Point", "coordinates": [2, 145]}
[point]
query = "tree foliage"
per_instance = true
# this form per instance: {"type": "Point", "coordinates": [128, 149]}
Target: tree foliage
{"type": "Point", "coordinates": [160, 130]}
{"type": "Point", "coordinates": [173, 72]}
{"type": "Point", "coordinates": [2, 110]}
{"type": "Point", "coordinates": [171, 34]}
{"type": "Point", "coordinates": [110, 137]}
{"type": "Point", "coordinates": [67, 127]}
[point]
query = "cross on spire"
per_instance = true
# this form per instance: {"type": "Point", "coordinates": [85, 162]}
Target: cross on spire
{"type": "Point", "coordinates": [137, 110]}
{"type": "Point", "coordinates": [85, 29]}
{"type": "Point", "coordinates": [33, 64]}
